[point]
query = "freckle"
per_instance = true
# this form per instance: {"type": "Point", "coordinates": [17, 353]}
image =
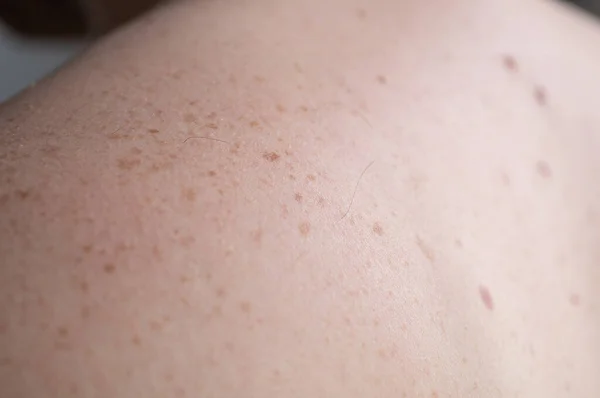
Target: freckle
{"type": "Point", "coordinates": [189, 194]}
{"type": "Point", "coordinates": [298, 197]}
{"type": "Point", "coordinates": [155, 325]}
{"type": "Point", "coordinates": [381, 79]}
{"type": "Point", "coordinates": [245, 307]}
{"type": "Point", "coordinates": [136, 151]}
{"type": "Point", "coordinates": [304, 108]}
{"type": "Point", "coordinates": [486, 297]}
{"type": "Point", "coordinates": [321, 201]}
{"type": "Point", "coordinates": [212, 173]}
{"type": "Point", "coordinates": [434, 394]}
{"type": "Point", "coordinates": [540, 95]}
{"type": "Point", "coordinates": [377, 229]}
{"type": "Point", "coordinates": [361, 14]}
{"type": "Point", "coordinates": [311, 177]}
{"type": "Point", "coordinates": [271, 156]}
{"type": "Point", "coordinates": [84, 286]}
{"type": "Point", "coordinates": [543, 169]}
{"type": "Point", "coordinates": [153, 131]}
{"type": "Point", "coordinates": [574, 299]}
{"type": "Point", "coordinates": [464, 360]}
{"type": "Point", "coordinates": [128, 164]}
{"type": "Point", "coordinates": [212, 126]}
{"type": "Point", "coordinates": [87, 248]}
{"type": "Point", "coordinates": [254, 124]}
{"type": "Point", "coordinates": [109, 268]}
{"type": "Point", "coordinates": [280, 108]}
{"type": "Point", "coordinates": [292, 177]}
{"type": "Point", "coordinates": [510, 63]}
{"type": "Point", "coordinates": [189, 118]}
{"type": "Point", "coordinates": [259, 79]}
{"type": "Point", "coordinates": [136, 340]}
{"type": "Point", "coordinates": [63, 331]}
{"type": "Point", "coordinates": [22, 194]}
{"type": "Point", "coordinates": [425, 249]}
{"type": "Point", "coordinates": [257, 235]}
{"type": "Point", "coordinates": [221, 292]}
{"type": "Point", "coordinates": [304, 228]}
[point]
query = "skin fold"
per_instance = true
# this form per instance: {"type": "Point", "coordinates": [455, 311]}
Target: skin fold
{"type": "Point", "coordinates": [308, 199]}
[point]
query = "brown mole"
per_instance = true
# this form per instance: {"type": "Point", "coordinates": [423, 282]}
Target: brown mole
{"type": "Point", "coordinates": [271, 156]}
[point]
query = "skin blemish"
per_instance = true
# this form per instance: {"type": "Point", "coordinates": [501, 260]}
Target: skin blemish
{"type": "Point", "coordinates": [574, 300]}
{"type": "Point", "coordinates": [128, 163]}
{"type": "Point", "coordinates": [361, 14]}
{"type": "Point", "coordinates": [211, 115]}
{"type": "Point", "coordinates": [189, 118]}
{"type": "Point", "coordinates": [85, 312]}
{"type": "Point", "coordinates": [304, 228]}
{"type": "Point", "coordinates": [212, 126]}
{"type": "Point", "coordinates": [486, 297]}
{"type": "Point", "coordinates": [245, 307]}
{"type": "Point", "coordinates": [153, 131]}
{"type": "Point", "coordinates": [259, 79]}
{"type": "Point", "coordinates": [63, 331]}
{"type": "Point", "coordinates": [280, 108]}
{"type": "Point", "coordinates": [458, 243]}
{"type": "Point", "coordinates": [84, 287]}
{"type": "Point", "coordinates": [311, 177]}
{"type": "Point", "coordinates": [284, 211]}
{"type": "Point", "coordinates": [136, 340]}
{"type": "Point", "coordinates": [321, 201]}
{"type": "Point", "coordinates": [109, 268]}
{"type": "Point", "coordinates": [87, 248]}
{"type": "Point", "coordinates": [377, 229]}
{"type": "Point", "coordinates": [254, 124]}
{"type": "Point", "coordinates": [510, 63]}
{"type": "Point", "coordinates": [271, 156]}
{"type": "Point", "coordinates": [543, 169]}
{"type": "Point", "coordinates": [136, 151]}
{"type": "Point", "coordinates": [298, 197]}
{"type": "Point", "coordinates": [189, 194]}
{"type": "Point", "coordinates": [221, 292]}
{"type": "Point", "coordinates": [257, 236]}
{"type": "Point", "coordinates": [212, 173]}
{"type": "Point", "coordinates": [540, 95]}
{"type": "Point", "coordinates": [304, 108]}
{"type": "Point", "coordinates": [22, 194]}
{"type": "Point", "coordinates": [381, 79]}
{"type": "Point", "coordinates": [425, 249]}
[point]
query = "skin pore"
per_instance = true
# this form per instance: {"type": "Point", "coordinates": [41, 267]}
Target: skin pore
{"type": "Point", "coordinates": [308, 199]}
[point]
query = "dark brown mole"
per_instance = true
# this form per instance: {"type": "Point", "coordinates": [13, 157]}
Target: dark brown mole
{"type": "Point", "coordinates": [543, 169]}
{"type": "Point", "coordinates": [381, 79]}
{"type": "Point", "coordinates": [304, 228]}
{"type": "Point", "coordinates": [298, 197]}
{"type": "Point", "coordinates": [153, 131]}
{"type": "Point", "coordinates": [109, 268]}
{"type": "Point", "coordinates": [574, 299]}
{"type": "Point", "coordinates": [540, 95]}
{"type": "Point", "coordinates": [271, 156]}
{"type": "Point", "coordinates": [486, 297]}
{"type": "Point", "coordinates": [510, 63]}
{"type": "Point", "coordinates": [377, 229]}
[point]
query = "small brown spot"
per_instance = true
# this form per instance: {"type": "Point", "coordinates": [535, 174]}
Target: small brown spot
{"type": "Point", "coordinates": [543, 169]}
{"type": "Point", "coordinates": [298, 197]}
{"type": "Point", "coordinates": [311, 177]}
{"type": "Point", "coordinates": [271, 156]}
{"type": "Point", "coordinates": [136, 340]}
{"type": "Point", "coordinates": [22, 194]}
{"type": "Point", "coordinates": [464, 360]}
{"type": "Point", "coordinates": [259, 79]}
{"type": "Point", "coordinates": [221, 292]}
{"type": "Point", "coordinates": [281, 108]}
{"type": "Point", "coordinates": [574, 299]}
{"type": "Point", "coordinates": [304, 108]}
{"type": "Point", "coordinates": [254, 124]}
{"type": "Point", "coordinates": [292, 177]}
{"type": "Point", "coordinates": [87, 248]}
{"type": "Point", "coordinates": [246, 307]}
{"type": "Point", "coordinates": [425, 249]}
{"type": "Point", "coordinates": [109, 268]}
{"type": "Point", "coordinates": [128, 164]}
{"type": "Point", "coordinates": [84, 286]}
{"type": "Point", "coordinates": [321, 201]}
{"type": "Point", "coordinates": [212, 173]}
{"type": "Point", "coordinates": [212, 126]}
{"type": "Point", "coordinates": [155, 325]}
{"type": "Point", "coordinates": [377, 229]}
{"type": "Point", "coordinates": [153, 131]}
{"type": "Point", "coordinates": [434, 394]}
{"type": "Point", "coordinates": [381, 79]}
{"type": "Point", "coordinates": [540, 95]}
{"type": "Point", "coordinates": [486, 297]}
{"type": "Point", "coordinates": [63, 331]}
{"type": "Point", "coordinates": [304, 228]}
{"type": "Point", "coordinates": [361, 14]}
{"type": "Point", "coordinates": [257, 236]}
{"type": "Point", "coordinates": [136, 151]}
{"type": "Point", "coordinates": [189, 194]}
{"type": "Point", "coordinates": [189, 118]}
{"type": "Point", "coordinates": [211, 115]}
{"type": "Point", "coordinates": [510, 63]}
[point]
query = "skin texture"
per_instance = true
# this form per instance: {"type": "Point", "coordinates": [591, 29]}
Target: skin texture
{"type": "Point", "coordinates": [174, 206]}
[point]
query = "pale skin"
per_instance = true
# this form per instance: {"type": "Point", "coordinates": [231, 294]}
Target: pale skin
{"type": "Point", "coordinates": [138, 264]}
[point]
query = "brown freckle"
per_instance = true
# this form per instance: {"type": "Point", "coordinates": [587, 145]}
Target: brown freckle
{"type": "Point", "coordinates": [245, 307]}
{"type": "Point", "coordinates": [212, 173]}
{"type": "Point", "coordinates": [221, 292]}
{"type": "Point", "coordinates": [22, 194]}
{"type": "Point", "coordinates": [153, 131]}
{"type": "Point", "coordinates": [128, 164]}
{"type": "Point", "coordinates": [381, 79]}
{"type": "Point", "coordinates": [87, 248]}
{"type": "Point", "coordinates": [361, 14]}
{"type": "Point", "coordinates": [212, 126]}
{"type": "Point", "coordinates": [304, 228]}
{"type": "Point", "coordinates": [304, 108]}
{"type": "Point", "coordinates": [377, 229]}
{"type": "Point", "coordinates": [464, 360]}
{"type": "Point", "coordinates": [574, 299]}
{"type": "Point", "coordinates": [510, 63]}
{"type": "Point", "coordinates": [486, 297]}
{"type": "Point", "coordinates": [539, 93]}
{"type": "Point", "coordinates": [109, 268]}
{"type": "Point", "coordinates": [271, 156]}
{"type": "Point", "coordinates": [298, 197]}
{"type": "Point", "coordinates": [543, 169]}
{"type": "Point", "coordinates": [254, 124]}
{"type": "Point", "coordinates": [434, 394]}
{"type": "Point", "coordinates": [425, 249]}
{"type": "Point", "coordinates": [189, 194]}
{"type": "Point", "coordinates": [259, 79]}
{"type": "Point", "coordinates": [63, 331]}
{"type": "Point", "coordinates": [84, 286]}
{"type": "Point", "coordinates": [292, 177]}
{"type": "Point", "coordinates": [311, 177]}
{"type": "Point", "coordinates": [136, 340]}
{"type": "Point", "coordinates": [155, 325]}
{"type": "Point", "coordinates": [280, 108]}
{"type": "Point", "coordinates": [189, 118]}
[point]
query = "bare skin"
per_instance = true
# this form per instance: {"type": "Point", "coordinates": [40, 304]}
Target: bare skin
{"type": "Point", "coordinates": [140, 262]}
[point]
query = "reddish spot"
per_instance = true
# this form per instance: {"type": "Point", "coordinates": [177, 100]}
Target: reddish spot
{"type": "Point", "coordinates": [377, 229]}
{"type": "Point", "coordinates": [298, 197]}
{"type": "Point", "coordinates": [257, 236]}
{"type": "Point", "coordinates": [189, 194]}
{"type": "Point", "coordinates": [271, 156]}
{"type": "Point", "coordinates": [304, 228]}
{"type": "Point", "coordinates": [434, 394]}
{"type": "Point", "coordinates": [486, 297]}
{"type": "Point", "coordinates": [361, 14]}
{"type": "Point", "coordinates": [540, 95]}
{"type": "Point", "coordinates": [381, 79]}
{"type": "Point", "coordinates": [245, 307]}
{"type": "Point", "coordinates": [425, 249]}
{"type": "Point", "coordinates": [574, 299]}
{"type": "Point", "coordinates": [543, 169]}
{"type": "Point", "coordinates": [109, 268]}
{"type": "Point", "coordinates": [510, 63]}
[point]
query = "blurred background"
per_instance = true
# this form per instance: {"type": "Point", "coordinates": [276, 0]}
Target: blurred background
{"type": "Point", "coordinates": [37, 36]}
